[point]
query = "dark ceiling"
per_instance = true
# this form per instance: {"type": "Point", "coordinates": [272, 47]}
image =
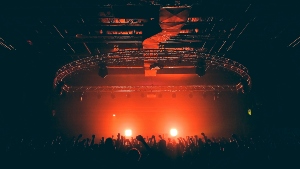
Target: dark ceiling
{"type": "Point", "coordinates": [68, 31]}
{"type": "Point", "coordinates": [36, 39]}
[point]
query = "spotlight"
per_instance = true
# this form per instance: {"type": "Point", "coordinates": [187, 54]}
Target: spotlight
{"type": "Point", "coordinates": [103, 72]}
{"type": "Point", "coordinates": [249, 112]}
{"type": "Point", "coordinates": [200, 67]}
{"type": "Point", "coordinates": [128, 132]}
{"type": "Point", "coordinates": [173, 132]}
{"type": "Point", "coordinates": [81, 97]}
{"type": "Point", "coordinates": [216, 96]}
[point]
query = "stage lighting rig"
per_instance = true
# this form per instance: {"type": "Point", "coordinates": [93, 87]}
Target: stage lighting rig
{"type": "Point", "coordinates": [59, 87]}
{"type": "Point", "coordinates": [200, 67]}
{"type": "Point", "coordinates": [180, 59]}
{"type": "Point", "coordinates": [245, 87]}
{"type": "Point", "coordinates": [192, 59]}
{"type": "Point", "coordinates": [103, 72]}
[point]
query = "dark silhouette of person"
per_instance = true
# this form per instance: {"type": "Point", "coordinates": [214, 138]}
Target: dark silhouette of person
{"type": "Point", "coordinates": [133, 157]}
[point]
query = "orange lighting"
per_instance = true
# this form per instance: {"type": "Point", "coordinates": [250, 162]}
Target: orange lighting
{"type": "Point", "coordinates": [128, 132]}
{"type": "Point", "coordinates": [173, 132]}
{"type": "Point", "coordinates": [114, 115]}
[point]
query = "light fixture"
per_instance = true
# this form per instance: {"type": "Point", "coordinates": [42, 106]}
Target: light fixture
{"type": "Point", "coordinates": [173, 132]}
{"type": "Point", "coordinates": [103, 72]}
{"type": "Point", "coordinates": [200, 67]}
{"type": "Point", "coordinates": [81, 97]}
{"type": "Point", "coordinates": [128, 132]}
{"type": "Point", "coordinates": [249, 112]}
{"type": "Point", "coordinates": [216, 95]}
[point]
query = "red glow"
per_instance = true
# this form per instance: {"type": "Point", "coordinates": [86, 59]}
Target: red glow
{"type": "Point", "coordinates": [147, 116]}
{"type": "Point", "coordinates": [153, 115]}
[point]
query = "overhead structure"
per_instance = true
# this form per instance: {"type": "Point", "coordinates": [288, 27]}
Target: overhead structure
{"type": "Point", "coordinates": [171, 20]}
{"type": "Point", "coordinates": [200, 67]}
{"type": "Point", "coordinates": [152, 89]}
{"type": "Point", "coordinates": [107, 35]}
{"type": "Point", "coordinates": [74, 30]}
{"type": "Point", "coordinates": [132, 57]}
{"type": "Point", "coordinates": [103, 72]}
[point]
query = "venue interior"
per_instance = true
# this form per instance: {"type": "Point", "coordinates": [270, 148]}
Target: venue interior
{"type": "Point", "coordinates": [103, 67]}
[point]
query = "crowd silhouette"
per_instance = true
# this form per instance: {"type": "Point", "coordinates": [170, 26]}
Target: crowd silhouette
{"type": "Point", "coordinates": [269, 150]}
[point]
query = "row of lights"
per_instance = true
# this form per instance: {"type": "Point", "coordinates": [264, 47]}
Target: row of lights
{"type": "Point", "coordinates": [159, 95]}
{"type": "Point", "coordinates": [216, 96]}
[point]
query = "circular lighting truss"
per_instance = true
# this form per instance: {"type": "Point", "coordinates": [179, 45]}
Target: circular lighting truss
{"type": "Point", "coordinates": [136, 59]}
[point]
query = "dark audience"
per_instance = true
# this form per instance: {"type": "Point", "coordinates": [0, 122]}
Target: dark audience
{"type": "Point", "coordinates": [268, 150]}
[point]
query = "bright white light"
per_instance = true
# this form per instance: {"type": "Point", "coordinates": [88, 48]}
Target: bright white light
{"type": "Point", "coordinates": [114, 115]}
{"type": "Point", "coordinates": [128, 132]}
{"type": "Point", "coordinates": [173, 132]}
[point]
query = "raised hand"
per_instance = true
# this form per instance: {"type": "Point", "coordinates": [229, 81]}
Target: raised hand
{"type": "Point", "coordinates": [140, 138]}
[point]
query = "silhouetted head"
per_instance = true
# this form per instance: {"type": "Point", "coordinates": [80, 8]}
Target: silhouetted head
{"type": "Point", "coordinates": [133, 155]}
{"type": "Point", "coordinates": [109, 142]}
{"type": "Point", "coordinates": [162, 144]}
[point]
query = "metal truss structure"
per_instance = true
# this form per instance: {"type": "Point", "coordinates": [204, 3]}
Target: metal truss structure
{"type": "Point", "coordinates": [203, 88]}
{"type": "Point", "coordinates": [83, 34]}
{"type": "Point", "coordinates": [131, 57]}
